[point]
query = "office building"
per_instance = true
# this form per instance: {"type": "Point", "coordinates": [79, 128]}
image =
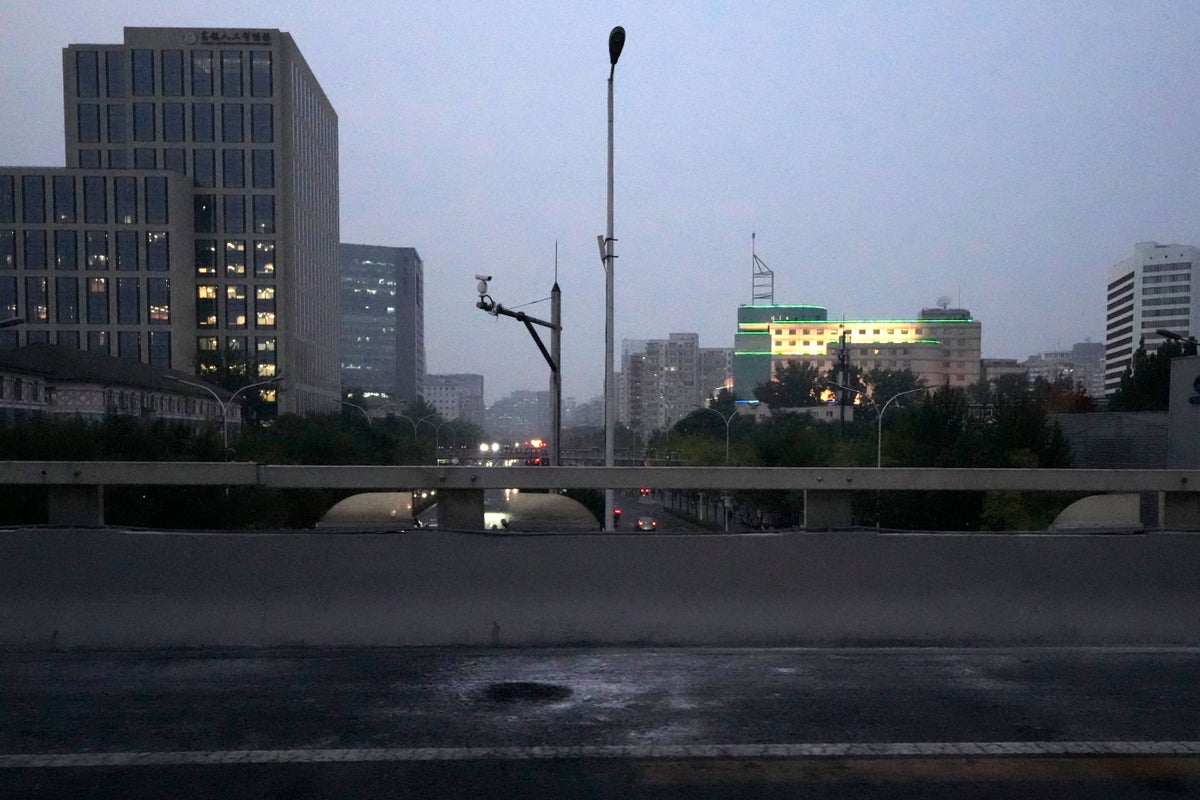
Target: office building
{"type": "Point", "coordinates": [239, 112]}
{"type": "Point", "coordinates": [98, 260]}
{"type": "Point", "coordinates": [457, 396]}
{"type": "Point", "coordinates": [381, 306]}
{"type": "Point", "coordinates": [1147, 292]}
{"type": "Point", "coordinates": [940, 345]}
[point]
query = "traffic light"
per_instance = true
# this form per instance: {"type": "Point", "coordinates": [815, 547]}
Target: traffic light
{"type": "Point", "coordinates": [616, 517]}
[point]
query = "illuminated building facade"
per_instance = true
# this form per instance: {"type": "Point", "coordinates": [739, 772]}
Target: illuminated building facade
{"type": "Point", "coordinates": [381, 304]}
{"type": "Point", "coordinates": [239, 113]}
{"type": "Point", "coordinates": [1149, 291]}
{"type": "Point", "coordinates": [941, 345]}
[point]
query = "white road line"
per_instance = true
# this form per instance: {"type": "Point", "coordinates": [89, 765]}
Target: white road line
{"type": "Point", "coordinates": [641, 752]}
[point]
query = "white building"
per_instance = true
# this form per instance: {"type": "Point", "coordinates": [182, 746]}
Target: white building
{"type": "Point", "coordinates": [1147, 292]}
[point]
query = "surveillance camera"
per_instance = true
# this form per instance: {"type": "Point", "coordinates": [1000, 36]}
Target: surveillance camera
{"type": "Point", "coordinates": [483, 277]}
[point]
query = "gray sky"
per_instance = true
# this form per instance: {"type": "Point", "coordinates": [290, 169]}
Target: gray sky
{"type": "Point", "coordinates": [886, 154]}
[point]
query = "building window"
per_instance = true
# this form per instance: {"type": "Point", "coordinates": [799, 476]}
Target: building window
{"type": "Point", "coordinates": [158, 251]}
{"type": "Point", "coordinates": [129, 346]}
{"type": "Point", "coordinates": [156, 201]}
{"type": "Point", "coordinates": [232, 127]}
{"type": "Point", "coordinates": [202, 73]}
{"type": "Point", "coordinates": [127, 251]}
{"type": "Point", "coordinates": [8, 199]}
{"type": "Point", "coordinates": [143, 122]}
{"type": "Point", "coordinates": [173, 122]}
{"type": "Point", "coordinates": [158, 301]}
{"type": "Point", "coordinates": [202, 122]}
{"type": "Point", "coordinates": [97, 301]}
{"type": "Point", "coordinates": [66, 250]}
{"type": "Point", "coordinates": [68, 339]}
{"type": "Point", "coordinates": [95, 209]}
{"type": "Point", "coordinates": [264, 356]}
{"type": "Point", "coordinates": [129, 302]}
{"type": "Point", "coordinates": [231, 73]}
{"type": "Point", "coordinates": [235, 213]}
{"type": "Point", "coordinates": [261, 128]}
{"type": "Point", "coordinates": [235, 306]}
{"type": "Point", "coordinates": [33, 199]}
{"type": "Point", "coordinates": [97, 342]}
{"type": "Point", "coordinates": [260, 73]}
{"type": "Point", "coordinates": [125, 199]}
{"type": "Point", "coordinates": [264, 213]}
{"type": "Point", "coordinates": [264, 259]}
{"type": "Point", "coordinates": [160, 348]}
{"type": "Point", "coordinates": [172, 73]}
{"type": "Point", "coordinates": [263, 168]}
{"type": "Point", "coordinates": [37, 300]}
{"type": "Point", "coordinates": [264, 306]}
{"type": "Point", "coordinates": [114, 72]}
{"type": "Point", "coordinates": [234, 172]}
{"type": "Point", "coordinates": [204, 168]}
{"type": "Point", "coordinates": [206, 306]}
{"type": "Point", "coordinates": [205, 208]}
{"type": "Point", "coordinates": [118, 159]}
{"type": "Point", "coordinates": [206, 257]}
{"type": "Point", "coordinates": [235, 258]}
{"type": "Point", "coordinates": [87, 73]}
{"type": "Point", "coordinates": [143, 72]}
{"type": "Point", "coordinates": [89, 123]}
{"type": "Point", "coordinates": [35, 250]}
{"type": "Point", "coordinates": [64, 198]}
{"type": "Point", "coordinates": [96, 250]}
{"type": "Point", "coordinates": [118, 129]}
{"type": "Point", "coordinates": [66, 301]}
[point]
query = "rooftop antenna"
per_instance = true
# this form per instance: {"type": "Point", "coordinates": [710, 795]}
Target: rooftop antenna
{"type": "Point", "coordinates": [761, 277]}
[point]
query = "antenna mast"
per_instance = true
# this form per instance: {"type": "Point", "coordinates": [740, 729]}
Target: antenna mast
{"type": "Point", "coordinates": [761, 277]}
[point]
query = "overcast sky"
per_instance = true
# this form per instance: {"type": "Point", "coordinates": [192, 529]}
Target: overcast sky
{"type": "Point", "coordinates": [1004, 155]}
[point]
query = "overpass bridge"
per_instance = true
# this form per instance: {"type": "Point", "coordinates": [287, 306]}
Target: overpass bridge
{"type": "Point", "coordinates": [76, 489]}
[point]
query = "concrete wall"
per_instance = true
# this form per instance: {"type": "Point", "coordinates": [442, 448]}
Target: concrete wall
{"type": "Point", "coordinates": [103, 588]}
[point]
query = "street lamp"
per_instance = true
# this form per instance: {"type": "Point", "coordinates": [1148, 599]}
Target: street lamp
{"type": "Point", "coordinates": [437, 429]}
{"type": "Point", "coordinates": [726, 420]}
{"type": "Point", "coordinates": [360, 408]}
{"type": "Point", "coordinates": [616, 42]}
{"type": "Point", "coordinates": [879, 416]}
{"type": "Point", "coordinates": [1175, 337]}
{"type": "Point", "coordinates": [226, 407]}
{"type": "Point", "coordinates": [12, 322]}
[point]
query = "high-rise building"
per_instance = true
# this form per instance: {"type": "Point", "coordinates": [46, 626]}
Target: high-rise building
{"type": "Point", "coordinates": [942, 345]}
{"type": "Point", "coordinates": [98, 260]}
{"type": "Point", "coordinates": [381, 305]}
{"type": "Point", "coordinates": [1149, 291]}
{"type": "Point", "coordinates": [457, 396]}
{"type": "Point", "coordinates": [239, 112]}
{"type": "Point", "coordinates": [664, 380]}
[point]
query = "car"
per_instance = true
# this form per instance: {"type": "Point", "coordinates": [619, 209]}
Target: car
{"type": "Point", "coordinates": [646, 524]}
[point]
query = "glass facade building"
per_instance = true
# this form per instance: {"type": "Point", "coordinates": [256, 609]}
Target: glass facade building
{"type": "Point", "coordinates": [381, 303]}
{"type": "Point", "coordinates": [239, 114]}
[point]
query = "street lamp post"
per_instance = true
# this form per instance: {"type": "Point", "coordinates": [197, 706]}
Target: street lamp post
{"type": "Point", "coordinates": [616, 42]}
{"type": "Point", "coordinates": [879, 416]}
{"type": "Point", "coordinates": [226, 407]}
{"type": "Point", "coordinates": [437, 430]}
{"type": "Point", "coordinates": [726, 420]}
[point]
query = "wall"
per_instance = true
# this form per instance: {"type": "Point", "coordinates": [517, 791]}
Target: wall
{"type": "Point", "coordinates": [105, 588]}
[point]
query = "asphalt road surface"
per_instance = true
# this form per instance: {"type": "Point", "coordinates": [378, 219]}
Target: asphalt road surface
{"type": "Point", "coordinates": [652, 723]}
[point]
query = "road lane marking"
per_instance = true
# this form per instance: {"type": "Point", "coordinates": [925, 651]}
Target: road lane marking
{"type": "Point", "coordinates": [975, 750]}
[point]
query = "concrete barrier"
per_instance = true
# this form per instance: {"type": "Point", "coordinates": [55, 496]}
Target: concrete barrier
{"type": "Point", "coordinates": [111, 589]}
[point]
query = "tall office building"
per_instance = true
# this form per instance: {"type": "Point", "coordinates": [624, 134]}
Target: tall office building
{"type": "Point", "coordinates": [239, 112]}
{"type": "Point", "coordinates": [1147, 292]}
{"type": "Point", "coordinates": [381, 305]}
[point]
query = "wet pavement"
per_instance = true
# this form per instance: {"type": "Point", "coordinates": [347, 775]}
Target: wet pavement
{"type": "Point", "coordinates": [601, 723]}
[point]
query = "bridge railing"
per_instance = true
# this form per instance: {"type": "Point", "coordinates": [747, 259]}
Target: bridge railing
{"type": "Point", "coordinates": [76, 488]}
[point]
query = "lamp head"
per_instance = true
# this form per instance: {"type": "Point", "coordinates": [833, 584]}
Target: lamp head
{"type": "Point", "coordinates": [616, 41]}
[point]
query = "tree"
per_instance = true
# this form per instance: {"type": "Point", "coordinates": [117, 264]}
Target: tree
{"type": "Point", "coordinates": [884, 384]}
{"type": "Point", "coordinates": [1146, 383]}
{"type": "Point", "coordinates": [796, 384]}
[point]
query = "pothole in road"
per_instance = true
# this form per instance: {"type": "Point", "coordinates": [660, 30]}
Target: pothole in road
{"type": "Point", "coordinates": [526, 692]}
